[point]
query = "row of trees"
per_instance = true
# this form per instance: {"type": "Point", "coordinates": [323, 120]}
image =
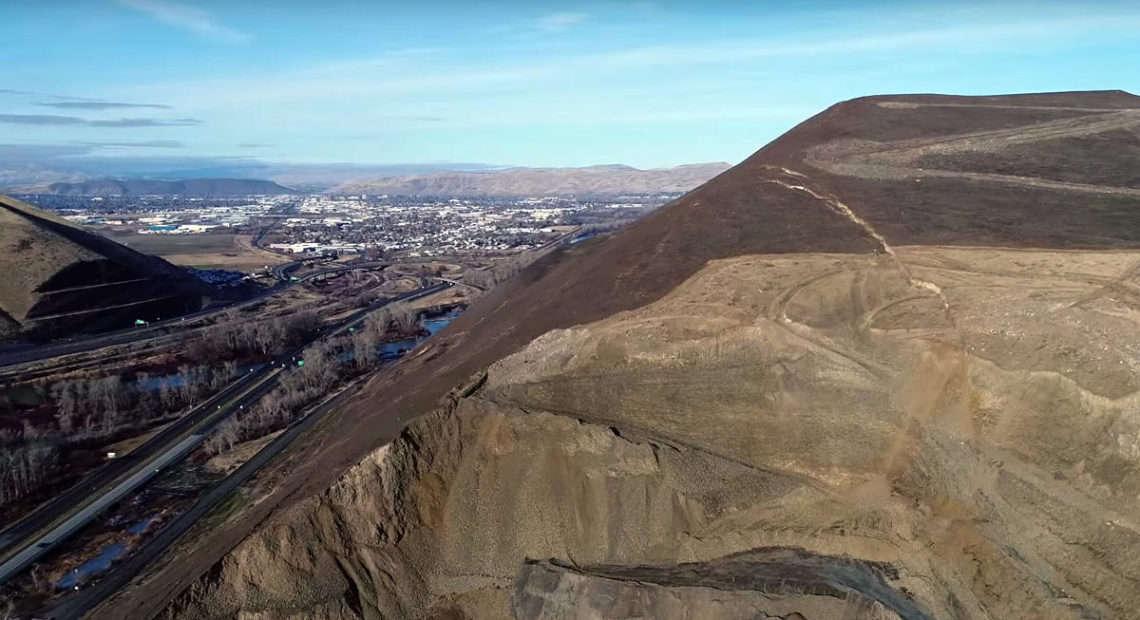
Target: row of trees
{"type": "Point", "coordinates": [297, 388]}
{"type": "Point", "coordinates": [89, 408]}
{"type": "Point", "coordinates": [501, 270]}
{"type": "Point", "coordinates": [27, 458]}
{"type": "Point", "coordinates": [93, 408]}
{"type": "Point", "coordinates": [98, 406]}
{"type": "Point", "coordinates": [232, 337]}
{"type": "Point", "coordinates": [327, 363]}
{"type": "Point", "coordinates": [93, 399]}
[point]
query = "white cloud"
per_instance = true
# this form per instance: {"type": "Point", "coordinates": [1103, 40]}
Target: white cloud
{"type": "Point", "coordinates": [560, 21]}
{"type": "Point", "coordinates": [415, 74]}
{"type": "Point", "coordinates": [967, 38]}
{"type": "Point", "coordinates": [185, 17]}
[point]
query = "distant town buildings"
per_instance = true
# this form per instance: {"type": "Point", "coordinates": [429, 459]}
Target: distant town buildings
{"type": "Point", "coordinates": [367, 224]}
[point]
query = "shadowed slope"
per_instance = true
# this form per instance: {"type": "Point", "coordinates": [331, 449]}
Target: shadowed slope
{"type": "Point", "coordinates": [59, 277]}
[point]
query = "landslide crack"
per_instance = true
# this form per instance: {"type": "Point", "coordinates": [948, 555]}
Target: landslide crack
{"type": "Point", "coordinates": [838, 207]}
{"type": "Point", "coordinates": [775, 571]}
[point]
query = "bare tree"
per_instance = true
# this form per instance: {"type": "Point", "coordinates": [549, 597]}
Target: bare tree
{"type": "Point", "coordinates": [67, 404]}
{"type": "Point", "coordinates": [378, 322]}
{"type": "Point", "coordinates": [66, 421]}
{"type": "Point", "coordinates": [110, 390]}
{"type": "Point", "coordinates": [191, 386]}
{"type": "Point", "coordinates": [167, 395]}
{"type": "Point", "coordinates": [404, 317]}
{"type": "Point", "coordinates": [364, 345]}
{"type": "Point", "coordinates": [317, 372]}
{"type": "Point", "coordinates": [146, 405]}
{"type": "Point", "coordinates": [268, 336]}
{"type": "Point", "coordinates": [24, 467]}
{"type": "Point", "coordinates": [29, 430]}
{"type": "Point", "coordinates": [217, 379]}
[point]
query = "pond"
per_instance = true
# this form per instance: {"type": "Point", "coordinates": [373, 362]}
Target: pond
{"type": "Point", "coordinates": [106, 557]}
{"type": "Point", "coordinates": [92, 567]}
{"type": "Point", "coordinates": [393, 350]}
{"type": "Point", "coordinates": [153, 384]}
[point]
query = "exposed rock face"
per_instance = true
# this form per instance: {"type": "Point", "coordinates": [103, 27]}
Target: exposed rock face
{"type": "Point", "coordinates": [788, 584]}
{"type": "Point", "coordinates": [888, 421]}
{"type": "Point", "coordinates": [59, 278]}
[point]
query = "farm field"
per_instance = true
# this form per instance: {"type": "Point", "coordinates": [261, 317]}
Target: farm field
{"type": "Point", "coordinates": [205, 251]}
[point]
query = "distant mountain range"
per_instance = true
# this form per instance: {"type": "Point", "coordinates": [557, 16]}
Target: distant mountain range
{"type": "Point", "coordinates": [188, 187]}
{"type": "Point", "coordinates": [605, 180]}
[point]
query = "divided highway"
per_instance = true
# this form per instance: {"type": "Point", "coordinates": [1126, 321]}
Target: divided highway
{"type": "Point", "coordinates": [38, 533]}
{"type": "Point", "coordinates": [76, 604]}
{"type": "Point", "coordinates": [35, 535]}
{"type": "Point", "coordinates": [49, 513]}
{"type": "Point", "coordinates": [26, 354]}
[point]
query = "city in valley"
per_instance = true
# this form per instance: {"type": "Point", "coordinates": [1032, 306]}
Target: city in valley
{"type": "Point", "coordinates": [407, 227]}
{"type": "Point", "coordinates": [120, 422]}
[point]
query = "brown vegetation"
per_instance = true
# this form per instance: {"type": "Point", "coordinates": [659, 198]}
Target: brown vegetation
{"type": "Point", "coordinates": [324, 367]}
{"type": "Point", "coordinates": [58, 277]}
{"type": "Point", "coordinates": [591, 181]}
{"type": "Point", "coordinates": [750, 368]}
{"type": "Point", "coordinates": [89, 412]}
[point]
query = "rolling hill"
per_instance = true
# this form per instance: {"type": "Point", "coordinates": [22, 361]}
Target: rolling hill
{"type": "Point", "coordinates": [884, 368]}
{"type": "Point", "coordinates": [198, 188]}
{"type": "Point", "coordinates": [59, 278]}
{"type": "Point", "coordinates": [605, 180]}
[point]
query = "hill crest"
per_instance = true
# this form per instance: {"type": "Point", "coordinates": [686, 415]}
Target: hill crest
{"type": "Point", "coordinates": [601, 180]}
{"type": "Point", "coordinates": [198, 188]}
{"type": "Point", "coordinates": [60, 278]}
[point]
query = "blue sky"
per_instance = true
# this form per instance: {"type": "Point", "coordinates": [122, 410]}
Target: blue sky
{"type": "Point", "coordinates": [523, 83]}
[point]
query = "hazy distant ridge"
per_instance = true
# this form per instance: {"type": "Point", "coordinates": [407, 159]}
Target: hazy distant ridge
{"type": "Point", "coordinates": [590, 181]}
{"type": "Point", "coordinates": [187, 187]}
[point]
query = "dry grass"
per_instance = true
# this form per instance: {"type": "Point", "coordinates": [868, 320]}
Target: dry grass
{"type": "Point", "coordinates": [205, 251]}
{"type": "Point", "coordinates": [229, 461]}
{"type": "Point", "coordinates": [125, 446]}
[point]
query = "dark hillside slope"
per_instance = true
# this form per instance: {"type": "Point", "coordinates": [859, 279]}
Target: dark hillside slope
{"type": "Point", "coordinates": [60, 278]}
{"type": "Point", "coordinates": [743, 212]}
{"type": "Point", "coordinates": [770, 331]}
{"type": "Point", "coordinates": [1047, 170]}
{"type": "Point", "coordinates": [201, 188]}
{"type": "Point", "coordinates": [735, 214]}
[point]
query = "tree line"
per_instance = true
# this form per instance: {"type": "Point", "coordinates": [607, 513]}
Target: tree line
{"type": "Point", "coordinates": [97, 408]}
{"type": "Point", "coordinates": [328, 363]}
{"type": "Point", "coordinates": [488, 277]}
{"type": "Point", "coordinates": [232, 337]}
{"type": "Point", "coordinates": [26, 460]}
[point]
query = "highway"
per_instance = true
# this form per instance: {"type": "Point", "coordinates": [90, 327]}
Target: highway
{"type": "Point", "coordinates": [28, 353]}
{"type": "Point", "coordinates": [48, 512]}
{"type": "Point", "coordinates": [25, 354]}
{"type": "Point", "coordinates": [80, 519]}
{"type": "Point", "coordinates": [35, 535]}
{"type": "Point", "coordinates": [76, 604]}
